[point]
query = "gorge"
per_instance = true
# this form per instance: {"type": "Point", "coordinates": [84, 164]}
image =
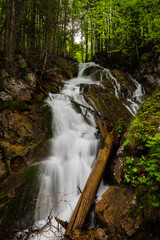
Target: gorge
{"type": "Point", "coordinates": [61, 175]}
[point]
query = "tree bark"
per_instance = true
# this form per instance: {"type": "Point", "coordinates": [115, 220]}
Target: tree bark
{"type": "Point", "coordinates": [33, 19]}
{"type": "Point", "coordinates": [83, 206]}
{"type": "Point", "coordinates": [10, 29]}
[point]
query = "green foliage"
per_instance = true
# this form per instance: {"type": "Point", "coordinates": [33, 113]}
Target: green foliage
{"type": "Point", "coordinates": [26, 79]}
{"type": "Point", "coordinates": [111, 26]}
{"type": "Point", "coordinates": [126, 142]}
{"type": "Point", "coordinates": [120, 129]}
{"type": "Point", "coordinates": [23, 66]}
{"type": "Point", "coordinates": [143, 168]}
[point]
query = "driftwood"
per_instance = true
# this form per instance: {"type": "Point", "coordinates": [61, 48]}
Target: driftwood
{"type": "Point", "coordinates": [63, 223]}
{"type": "Point", "coordinates": [83, 206]}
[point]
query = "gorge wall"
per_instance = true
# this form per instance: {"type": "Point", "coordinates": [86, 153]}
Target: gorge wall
{"type": "Point", "coordinates": [25, 123]}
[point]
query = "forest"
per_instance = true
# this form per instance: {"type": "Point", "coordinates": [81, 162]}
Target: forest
{"type": "Point", "coordinates": [80, 119]}
{"type": "Point", "coordinates": [79, 29]}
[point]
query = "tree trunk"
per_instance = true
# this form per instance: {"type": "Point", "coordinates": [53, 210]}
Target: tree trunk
{"type": "Point", "coordinates": [83, 206]}
{"type": "Point", "coordinates": [86, 36]}
{"type": "Point", "coordinates": [10, 29]}
{"type": "Point", "coordinates": [65, 29]}
{"type": "Point", "coordinates": [33, 19]}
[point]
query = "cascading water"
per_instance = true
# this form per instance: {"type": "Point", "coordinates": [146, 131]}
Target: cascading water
{"type": "Point", "coordinates": [74, 150]}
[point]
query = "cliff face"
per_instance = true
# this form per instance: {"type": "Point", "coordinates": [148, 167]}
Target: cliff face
{"type": "Point", "coordinates": [25, 121]}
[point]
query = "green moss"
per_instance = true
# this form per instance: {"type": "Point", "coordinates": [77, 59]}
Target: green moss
{"type": "Point", "coordinates": [145, 57]}
{"type": "Point", "coordinates": [134, 213]}
{"type": "Point", "coordinates": [27, 80]}
{"type": "Point", "coordinates": [120, 129]}
{"type": "Point", "coordinates": [18, 105]}
{"type": "Point", "coordinates": [142, 151]}
{"type": "Point", "coordinates": [23, 66]}
{"type": "Point", "coordinates": [146, 122]}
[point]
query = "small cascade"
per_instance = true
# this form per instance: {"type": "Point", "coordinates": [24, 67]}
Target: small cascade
{"type": "Point", "coordinates": [136, 98]}
{"type": "Point", "coordinates": [117, 86]}
{"type": "Point", "coordinates": [138, 94]}
{"type": "Point", "coordinates": [133, 100]}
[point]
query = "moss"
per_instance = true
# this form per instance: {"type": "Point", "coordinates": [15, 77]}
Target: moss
{"type": "Point", "coordinates": [146, 121]}
{"type": "Point", "coordinates": [18, 105]}
{"type": "Point", "coordinates": [120, 129]}
{"type": "Point", "coordinates": [141, 168]}
{"type": "Point", "coordinates": [27, 80]}
{"type": "Point", "coordinates": [23, 66]}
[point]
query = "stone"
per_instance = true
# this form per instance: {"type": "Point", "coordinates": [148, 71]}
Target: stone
{"type": "Point", "coordinates": [17, 83]}
{"type": "Point", "coordinates": [2, 166]}
{"type": "Point", "coordinates": [118, 164]}
{"type": "Point", "coordinates": [92, 234]}
{"type": "Point", "coordinates": [20, 89]}
{"type": "Point", "coordinates": [5, 96]}
{"type": "Point", "coordinates": [113, 211]}
{"type": "Point", "coordinates": [100, 234]}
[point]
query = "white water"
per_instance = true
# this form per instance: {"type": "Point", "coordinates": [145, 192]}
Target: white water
{"type": "Point", "coordinates": [74, 150]}
{"type": "Point", "coordinates": [137, 95]}
{"type": "Point", "coordinates": [133, 100]}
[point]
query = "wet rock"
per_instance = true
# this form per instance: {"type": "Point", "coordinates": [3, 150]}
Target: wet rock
{"type": "Point", "coordinates": [21, 133]}
{"type": "Point", "coordinates": [113, 212]}
{"type": "Point", "coordinates": [93, 70]}
{"type": "Point", "coordinates": [153, 79]}
{"type": "Point", "coordinates": [118, 164]}
{"type": "Point", "coordinates": [100, 234]}
{"type": "Point", "coordinates": [19, 89]}
{"type": "Point", "coordinates": [5, 96]}
{"type": "Point", "coordinates": [2, 164]}
{"type": "Point", "coordinates": [149, 73]}
{"type": "Point", "coordinates": [68, 66]}
{"type": "Point", "coordinates": [93, 234]}
{"type": "Point", "coordinates": [125, 81]}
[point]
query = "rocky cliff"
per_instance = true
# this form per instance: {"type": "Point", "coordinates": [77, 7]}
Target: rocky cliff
{"type": "Point", "coordinates": [25, 120]}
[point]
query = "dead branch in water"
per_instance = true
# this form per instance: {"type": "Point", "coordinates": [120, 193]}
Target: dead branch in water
{"type": "Point", "coordinates": [89, 109]}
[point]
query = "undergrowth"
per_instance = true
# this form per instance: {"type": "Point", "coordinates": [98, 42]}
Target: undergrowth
{"type": "Point", "coordinates": [142, 154]}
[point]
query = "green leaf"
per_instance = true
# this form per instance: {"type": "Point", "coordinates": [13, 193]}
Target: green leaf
{"type": "Point", "coordinates": [155, 204]}
{"type": "Point", "coordinates": [126, 142]}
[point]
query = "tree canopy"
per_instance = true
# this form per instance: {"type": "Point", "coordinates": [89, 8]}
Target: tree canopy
{"type": "Point", "coordinates": [51, 27]}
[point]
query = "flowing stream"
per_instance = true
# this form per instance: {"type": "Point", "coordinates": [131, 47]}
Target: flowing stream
{"type": "Point", "coordinates": [73, 152]}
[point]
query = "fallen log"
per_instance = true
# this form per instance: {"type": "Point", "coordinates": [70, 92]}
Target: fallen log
{"type": "Point", "coordinates": [85, 201]}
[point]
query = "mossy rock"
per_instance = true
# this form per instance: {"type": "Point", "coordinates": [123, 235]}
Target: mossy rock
{"type": "Point", "coordinates": [141, 168]}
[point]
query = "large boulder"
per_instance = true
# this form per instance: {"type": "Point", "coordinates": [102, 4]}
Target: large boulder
{"type": "Point", "coordinates": [17, 81]}
{"type": "Point", "coordinates": [22, 130]}
{"type": "Point", "coordinates": [113, 211]}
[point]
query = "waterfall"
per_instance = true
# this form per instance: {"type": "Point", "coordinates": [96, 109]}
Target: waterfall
{"type": "Point", "coordinates": [74, 149]}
